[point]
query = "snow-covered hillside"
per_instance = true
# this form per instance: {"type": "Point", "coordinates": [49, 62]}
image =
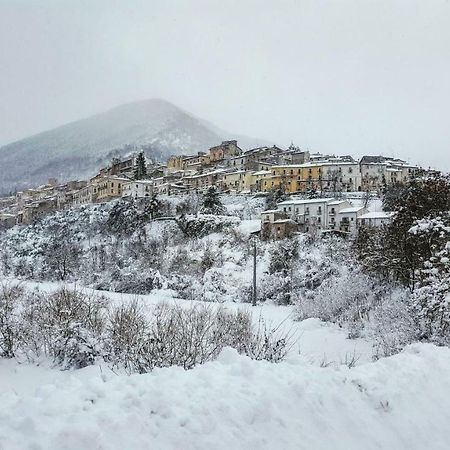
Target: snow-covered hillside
{"type": "Point", "coordinates": [78, 149]}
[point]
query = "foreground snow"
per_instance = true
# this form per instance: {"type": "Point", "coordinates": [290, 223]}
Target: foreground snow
{"type": "Point", "coordinates": [402, 402]}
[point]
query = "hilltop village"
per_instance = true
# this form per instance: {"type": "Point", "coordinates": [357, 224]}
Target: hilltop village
{"type": "Point", "coordinates": [318, 179]}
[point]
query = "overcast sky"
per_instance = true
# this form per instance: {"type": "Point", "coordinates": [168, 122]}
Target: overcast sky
{"type": "Point", "coordinates": [338, 76]}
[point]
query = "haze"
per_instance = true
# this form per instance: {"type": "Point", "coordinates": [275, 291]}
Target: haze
{"type": "Point", "coordinates": [348, 77]}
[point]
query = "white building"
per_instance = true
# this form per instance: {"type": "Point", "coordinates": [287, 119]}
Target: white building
{"type": "Point", "coordinates": [375, 219]}
{"type": "Point", "coordinates": [333, 209]}
{"type": "Point", "coordinates": [138, 189]}
{"type": "Point", "coordinates": [315, 215]}
{"type": "Point", "coordinates": [310, 214]}
{"type": "Point", "coordinates": [347, 219]}
{"type": "Point", "coordinates": [341, 176]}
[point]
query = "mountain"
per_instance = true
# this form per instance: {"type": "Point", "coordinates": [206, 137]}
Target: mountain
{"type": "Point", "coordinates": [78, 149]}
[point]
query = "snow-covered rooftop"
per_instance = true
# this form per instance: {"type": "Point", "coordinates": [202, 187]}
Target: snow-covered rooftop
{"type": "Point", "coordinates": [353, 209]}
{"type": "Point", "coordinates": [377, 215]}
{"type": "Point", "coordinates": [337, 202]}
{"type": "Point", "coordinates": [271, 211]}
{"type": "Point", "coordinates": [306, 201]}
{"type": "Point", "coordinates": [283, 221]}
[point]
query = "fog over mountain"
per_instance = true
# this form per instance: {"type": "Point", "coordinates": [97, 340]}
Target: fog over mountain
{"type": "Point", "coordinates": [78, 149]}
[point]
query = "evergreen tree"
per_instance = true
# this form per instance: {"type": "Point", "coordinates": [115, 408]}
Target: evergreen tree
{"type": "Point", "coordinates": [431, 298]}
{"type": "Point", "coordinates": [212, 203]}
{"type": "Point", "coordinates": [274, 197]}
{"type": "Point", "coordinates": [312, 193]}
{"type": "Point", "coordinates": [398, 250]}
{"type": "Point", "coordinates": [140, 168]}
{"type": "Point", "coordinates": [152, 207]}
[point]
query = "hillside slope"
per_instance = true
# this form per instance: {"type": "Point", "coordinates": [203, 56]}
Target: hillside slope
{"type": "Point", "coordinates": [79, 148]}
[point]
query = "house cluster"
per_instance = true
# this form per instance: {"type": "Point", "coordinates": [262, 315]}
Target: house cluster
{"type": "Point", "coordinates": [225, 166]}
{"type": "Point", "coordinates": [264, 169]}
{"type": "Point", "coordinates": [317, 216]}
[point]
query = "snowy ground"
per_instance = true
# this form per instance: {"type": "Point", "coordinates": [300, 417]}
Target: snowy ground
{"type": "Point", "coordinates": [402, 402]}
{"type": "Point", "coordinates": [318, 342]}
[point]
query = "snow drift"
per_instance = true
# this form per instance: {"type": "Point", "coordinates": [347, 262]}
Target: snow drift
{"type": "Point", "coordinates": [400, 402]}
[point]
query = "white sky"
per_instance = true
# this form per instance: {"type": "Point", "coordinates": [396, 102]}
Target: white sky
{"type": "Point", "coordinates": [353, 77]}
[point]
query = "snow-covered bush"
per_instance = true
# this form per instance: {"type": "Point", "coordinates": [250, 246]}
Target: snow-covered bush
{"type": "Point", "coordinates": [347, 297]}
{"type": "Point", "coordinates": [393, 324]}
{"type": "Point", "coordinates": [75, 329]}
{"type": "Point", "coordinates": [10, 296]}
{"type": "Point", "coordinates": [66, 325]}
{"type": "Point", "coordinates": [188, 336]}
{"type": "Point", "coordinates": [126, 332]}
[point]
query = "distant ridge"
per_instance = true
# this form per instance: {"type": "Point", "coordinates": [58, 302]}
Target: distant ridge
{"type": "Point", "coordinates": [78, 149]}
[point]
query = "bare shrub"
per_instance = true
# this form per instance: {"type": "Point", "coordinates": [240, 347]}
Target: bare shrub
{"type": "Point", "coordinates": [67, 325]}
{"type": "Point", "coordinates": [186, 337]}
{"type": "Point", "coordinates": [10, 296]}
{"type": "Point", "coordinates": [393, 325]}
{"type": "Point", "coordinates": [76, 328]}
{"type": "Point", "coordinates": [348, 299]}
{"type": "Point", "coordinates": [126, 331]}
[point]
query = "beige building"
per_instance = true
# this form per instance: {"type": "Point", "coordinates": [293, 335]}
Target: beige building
{"type": "Point", "coordinates": [233, 181]}
{"type": "Point", "coordinates": [108, 187]}
{"type": "Point", "coordinates": [85, 195]}
{"type": "Point", "coordinates": [226, 150]}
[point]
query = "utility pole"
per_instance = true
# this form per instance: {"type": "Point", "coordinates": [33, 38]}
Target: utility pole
{"type": "Point", "coordinates": [254, 272]}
